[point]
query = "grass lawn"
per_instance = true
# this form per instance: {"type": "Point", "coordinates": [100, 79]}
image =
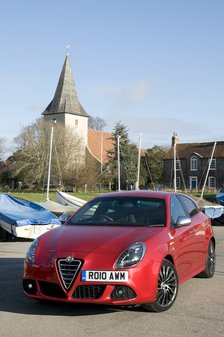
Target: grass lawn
{"type": "Point", "coordinates": [41, 196]}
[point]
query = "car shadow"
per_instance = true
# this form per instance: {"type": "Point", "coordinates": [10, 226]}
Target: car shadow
{"type": "Point", "coordinates": [13, 299]}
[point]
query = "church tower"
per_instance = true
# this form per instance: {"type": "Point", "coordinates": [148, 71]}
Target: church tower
{"type": "Point", "coordinates": [65, 107]}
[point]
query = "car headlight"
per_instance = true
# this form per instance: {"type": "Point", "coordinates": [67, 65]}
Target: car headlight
{"type": "Point", "coordinates": [131, 256]}
{"type": "Point", "coordinates": [30, 256]}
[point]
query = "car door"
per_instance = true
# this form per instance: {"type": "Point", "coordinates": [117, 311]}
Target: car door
{"type": "Point", "coordinates": [198, 229]}
{"type": "Point", "coordinates": [183, 241]}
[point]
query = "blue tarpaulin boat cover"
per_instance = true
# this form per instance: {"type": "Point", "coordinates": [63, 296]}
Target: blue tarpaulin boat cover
{"type": "Point", "coordinates": [19, 212]}
{"type": "Point", "coordinates": [220, 199]}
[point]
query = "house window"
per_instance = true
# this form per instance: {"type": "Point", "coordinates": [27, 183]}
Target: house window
{"type": "Point", "coordinates": [178, 164]}
{"type": "Point", "coordinates": [211, 182]}
{"type": "Point", "coordinates": [178, 182]}
{"type": "Point", "coordinates": [193, 183]}
{"type": "Point", "coordinates": [194, 163]}
{"type": "Point", "coordinates": [76, 122]}
{"type": "Point", "coordinates": [213, 164]}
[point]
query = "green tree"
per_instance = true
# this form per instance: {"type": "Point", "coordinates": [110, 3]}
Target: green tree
{"type": "Point", "coordinates": [128, 157]}
{"type": "Point", "coordinates": [6, 179]}
{"type": "Point", "coordinates": [154, 164]}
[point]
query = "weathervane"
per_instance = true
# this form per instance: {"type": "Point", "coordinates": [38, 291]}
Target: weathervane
{"type": "Point", "coordinates": [67, 48]}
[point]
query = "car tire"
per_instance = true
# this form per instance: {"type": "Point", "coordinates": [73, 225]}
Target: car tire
{"type": "Point", "coordinates": [3, 235]}
{"type": "Point", "coordinates": [210, 262]}
{"type": "Point", "coordinates": [166, 290]}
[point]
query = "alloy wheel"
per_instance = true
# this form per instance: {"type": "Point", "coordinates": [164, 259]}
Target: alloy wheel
{"type": "Point", "coordinates": [167, 286]}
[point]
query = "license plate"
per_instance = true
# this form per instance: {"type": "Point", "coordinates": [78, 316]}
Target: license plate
{"type": "Point", "coordinates": [104, 276]}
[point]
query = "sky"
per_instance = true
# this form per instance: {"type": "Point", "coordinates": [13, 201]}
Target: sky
{"type": "Point", "coordinates": [157, 66]}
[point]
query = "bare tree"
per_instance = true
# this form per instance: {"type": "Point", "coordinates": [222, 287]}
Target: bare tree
{"type": "Point", "coordinates": [69, 155]}
{"type": "Point", "coordinates": [2, 148]}
{"type": "Point", "coordinates": [32, 153]}
{"type": "Point", "coordinates": [96, 123]}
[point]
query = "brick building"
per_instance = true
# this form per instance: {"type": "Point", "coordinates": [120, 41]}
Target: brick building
{"type": "Point", "coordinates": [192, 163]}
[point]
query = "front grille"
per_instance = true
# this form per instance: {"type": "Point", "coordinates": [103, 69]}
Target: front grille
{"type": "Point", "coordinates": [51, 289]}
{"type": "Point", "coordinates": [89, 291]}
{"type": "Point", "coordinates": [68, 271]}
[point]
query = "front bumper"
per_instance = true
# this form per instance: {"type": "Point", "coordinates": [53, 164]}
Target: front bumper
{"type": "Point", "coordinates": [44, 282]}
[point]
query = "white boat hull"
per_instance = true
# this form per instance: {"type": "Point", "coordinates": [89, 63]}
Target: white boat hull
{"type": "Point", "coordinates": [213, 212]}
{"type": "Point", "coordinates": [27, 232]}
{"type": "Point", "coordinates": [69, 200]}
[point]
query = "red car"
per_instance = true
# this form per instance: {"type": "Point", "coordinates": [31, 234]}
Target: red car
{"type": "Point", "coordinates": [131, 248]}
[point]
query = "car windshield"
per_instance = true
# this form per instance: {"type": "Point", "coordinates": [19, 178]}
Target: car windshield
{"type": "Point", "coordinates": [121, 211]}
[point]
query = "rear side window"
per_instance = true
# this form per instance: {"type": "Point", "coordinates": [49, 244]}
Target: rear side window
{"type": "Point", "coordinates": [176, 209]}
{"type": "Point", "coordinates": [190, 205]}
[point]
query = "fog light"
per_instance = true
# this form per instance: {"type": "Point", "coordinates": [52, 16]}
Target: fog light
{"type": "Point", "coordinates": [30, 285]}
{"type": "Point", "coordinates": [122, 293]}
{"type": "Point", "coordinates": [119, 292]}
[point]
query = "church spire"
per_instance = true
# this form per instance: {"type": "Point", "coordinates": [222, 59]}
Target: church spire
{"type": "Point", "coordinates": [65, 99]}
{"type": "Point", "coordinates": [67, 48]}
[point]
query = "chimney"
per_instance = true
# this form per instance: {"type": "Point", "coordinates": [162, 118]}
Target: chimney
{"type": "Point", "coordinates": [175, 139]}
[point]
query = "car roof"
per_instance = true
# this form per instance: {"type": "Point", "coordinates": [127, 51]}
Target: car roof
{"type": "Point", "coordinates": [144, 194]}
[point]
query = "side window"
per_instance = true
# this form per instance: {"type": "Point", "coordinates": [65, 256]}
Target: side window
{"type": "Point", "coordinates": [191, 207]}
{"type": "Point", "coordinates": [176, 209]}
{"type": "Point", "coordinates": [86, 213]}
{"type": "Point", "coordinates": [178, 164]}
{"type": "Point", "coordinates": [194, 163]}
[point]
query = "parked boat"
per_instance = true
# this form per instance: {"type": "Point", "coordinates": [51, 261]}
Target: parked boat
{"type": "Point", "coordinates": [214, 211]}
{"type": "Point", "coordinates": [69, 200]}
{"type": "Point", "coordinates": [57, 208]}
{"type": "Point", "coordinates": [25, 219]}
{"type": "Point", "coordinates": [220, 196]}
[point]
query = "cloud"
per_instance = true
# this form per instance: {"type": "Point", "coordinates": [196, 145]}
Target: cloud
{"type": "Point", "coordinates": [136, 93]}
{"type": "Point", "coordinates": [34, 107]}
{"type": "Point", "coordinates": [159, 130]}
{"type": "Point", "coordinates": [119, 97]}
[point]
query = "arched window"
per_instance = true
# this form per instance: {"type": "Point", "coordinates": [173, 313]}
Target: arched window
{"type": "Point", "coordinates": [194, 163]}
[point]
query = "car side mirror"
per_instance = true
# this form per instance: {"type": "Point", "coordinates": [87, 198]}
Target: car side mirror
{"type": "Point", "coordinates": [63, 218]}
{"type": "Point", "coordinates": [183, 221]}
